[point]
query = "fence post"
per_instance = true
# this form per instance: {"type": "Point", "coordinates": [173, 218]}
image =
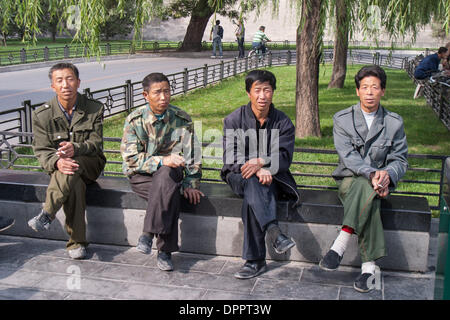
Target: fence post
{"type": "Point", "coordinates": [23, 56]}
{"type": "Point", "coordinates": [246, 64]}
{"type": "Point", "coordinates": [288, 60]}
{"type": "Point", "coordinates": [221, 69]}
{"type": "Point", "coordinates": [205, 75]}
{"type": "Point", "coordinates": [87, 93]}
{"type": "Point", "coordinates": [25, 121]}
{"type": "Point", "coordinates": [185, 80]}
{"type": "Point", "coordinates": [108, 49]}
{"type": "Point", "coordinates": [66, 52]}
{"type": "Point", "coordinates": [129, 103]}
{"type": "Point", "coordinates": [235, 67]}
{"type": "Point", "coordinates": [46, 51]}
{"type": "Point", "coordinates": [270, 59]}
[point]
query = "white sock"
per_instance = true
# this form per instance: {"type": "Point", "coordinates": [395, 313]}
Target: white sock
{"type": "Point", "coordinates": [368, 267]}
{"type": "Point", "coordinates": [340, 244]}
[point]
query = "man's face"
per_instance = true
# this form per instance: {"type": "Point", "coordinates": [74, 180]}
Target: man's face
{"type": "Point", "coordinates": [444, 55]}
{"type": "Point", "coordinates": [260, 95]}
{"type": "Point", "coordinates": [65, 84]}
{"type": "Point", "coordinates": [158, 96]}
{"type": "Point", "coordinates": [370, 93]}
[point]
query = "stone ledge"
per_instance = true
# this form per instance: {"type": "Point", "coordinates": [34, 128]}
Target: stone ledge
{"type": "Point", "coordinates": [318, 206]}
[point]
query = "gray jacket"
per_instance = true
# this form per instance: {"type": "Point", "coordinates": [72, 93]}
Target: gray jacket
{"type": "Point", "coordinates": [362, 152]}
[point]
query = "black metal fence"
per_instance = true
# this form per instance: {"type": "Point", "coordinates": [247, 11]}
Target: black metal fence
{"type": "Point", "coordinates": [436, 93]}
{"type": "Point", "coordinates": [125, 97]}
{"type": "Point", "coordinates": [425, 172]}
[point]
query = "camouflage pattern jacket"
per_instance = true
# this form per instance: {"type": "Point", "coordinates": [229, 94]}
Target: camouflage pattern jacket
{"type": "Point", "coordinates": [146, 140]}
{"type": "Point", "coordinates": [50, 128]}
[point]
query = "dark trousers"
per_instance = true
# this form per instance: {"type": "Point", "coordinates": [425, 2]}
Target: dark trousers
{"type": "Point", "coordinates": [69, 192]}
{"type": "Point", "coordinates": [241, 47]}
{"type": "Point", "coordinates": [258, 211]}
{"type": "Point", "coordinates": [162, 192]}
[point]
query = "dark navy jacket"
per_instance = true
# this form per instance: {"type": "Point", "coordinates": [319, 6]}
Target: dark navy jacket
{"type": "Point", "coordinates": [240, 143]}
{"type": "Point", "coordinates": [427, 66]}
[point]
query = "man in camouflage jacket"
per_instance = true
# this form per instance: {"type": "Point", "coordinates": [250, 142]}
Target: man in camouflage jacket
{"type": "Point", "coordinates": [68, 134]}
{"type": "Point", "coordinates": [162, 159]}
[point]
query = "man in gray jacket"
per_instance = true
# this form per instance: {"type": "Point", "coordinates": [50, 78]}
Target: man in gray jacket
{"type": "Point", "coordinates": [372, 149]}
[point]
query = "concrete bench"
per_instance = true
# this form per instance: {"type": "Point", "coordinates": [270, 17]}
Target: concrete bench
{"type": "Point", "coordinates": [115, 216]}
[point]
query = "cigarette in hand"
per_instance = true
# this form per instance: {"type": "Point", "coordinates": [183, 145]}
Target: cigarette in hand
{"type": "Point", "coordinates": [380, 185]}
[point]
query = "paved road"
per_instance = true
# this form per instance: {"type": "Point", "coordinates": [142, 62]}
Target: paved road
{"type": "Point", "coordinates": [34, 84]}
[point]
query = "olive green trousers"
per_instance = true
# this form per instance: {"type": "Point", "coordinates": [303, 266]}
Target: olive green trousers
{"type": "Point", "coordinates": [69, 192]}
{"type": "Point", "coordinates": [362, 214]}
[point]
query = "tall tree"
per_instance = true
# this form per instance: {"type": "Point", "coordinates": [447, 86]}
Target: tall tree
{"type": "Point", "coordinates": [309, 43]}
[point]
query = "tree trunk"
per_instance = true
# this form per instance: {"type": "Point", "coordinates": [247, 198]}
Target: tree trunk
{"type": "Point", "coordinates": [4, 39]}
{"type": "Point", "coordinates": [308, 58]}
{"type": "Point", "coordinates": [194, 33]}
{"type": "Point", "coordinates": [340, 46]}
{"type": "Point", "coordinates": [54, 29]}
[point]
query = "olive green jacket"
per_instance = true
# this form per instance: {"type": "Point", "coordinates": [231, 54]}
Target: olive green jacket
{"type": "Point", "coordinates": [50, 127]}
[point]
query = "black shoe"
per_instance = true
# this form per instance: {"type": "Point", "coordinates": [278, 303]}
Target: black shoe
{"type": "Point", "coordinates": [164, 261]}
{"type": "Point", "coordinates": [331, 261]}
{"type": "Point", "coordinates": [251, 269]}
{"type": "Point", "coordinates": [5, 223]}
{"type": "Point", "coordinates": [282, 244]}
{"type": "Point", "coordinates": [144, 244]}
{"type": "Point", "coordinates": [363, 284]}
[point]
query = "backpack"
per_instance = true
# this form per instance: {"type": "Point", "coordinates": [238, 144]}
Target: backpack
{"type": "Point", "coordinates": [220, 32]}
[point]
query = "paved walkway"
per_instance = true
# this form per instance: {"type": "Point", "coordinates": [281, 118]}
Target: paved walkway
{"type": "Point", "coordinates": [41, 269]}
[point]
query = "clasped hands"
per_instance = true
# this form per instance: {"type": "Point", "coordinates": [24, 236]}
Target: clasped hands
{"type": "Point", "coordinates": [255, 167]}
{"type": "Point", "coordinates": [380, 181]}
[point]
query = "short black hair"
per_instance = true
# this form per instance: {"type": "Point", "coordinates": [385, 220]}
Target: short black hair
{"type": "Point", "coordinates": [63, 65]}
{"type": "Point", "coordinates": [217, 22]}
{"type": "Point", "coordinates": [261, 76]}
{"type": "Point", "coordinates": [154, 77]}
{"type": "Point", "coordinates": [371, 71]}
{"type": "Point", "coordinates": [442, 50]}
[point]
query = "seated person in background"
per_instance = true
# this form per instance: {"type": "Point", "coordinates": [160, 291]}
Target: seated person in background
{"type": "Point", "coordinates": [430, 64]}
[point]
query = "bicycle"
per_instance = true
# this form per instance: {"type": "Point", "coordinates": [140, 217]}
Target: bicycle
{"type": "Point", "coordinates": [257, 52]}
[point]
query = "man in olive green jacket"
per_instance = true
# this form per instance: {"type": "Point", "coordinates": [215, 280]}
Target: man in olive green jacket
{"type": "Point", "coordinates": [68, 134]}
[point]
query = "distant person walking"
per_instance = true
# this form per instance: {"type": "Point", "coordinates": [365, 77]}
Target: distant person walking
{"type": "Point", "coordinates": [216, 37]}
{"type": "Point", "coordinates": [240, 34]}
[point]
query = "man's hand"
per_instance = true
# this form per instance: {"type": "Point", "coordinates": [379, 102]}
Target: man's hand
{"type": "Point", "coordinates": [65, 150]}
{"type": "Point", "coordinates": [173, 160]}
{"type": "Point", "coordinates": [251, 167]}
{"type": "Point", "coordinates": [380, 182]}
{"type": "Point", "coordinates": [264, 175]}
{"type": "Point", "coordinates": [193, 195]}
{"type": "Point", "coordinates": [67, 165]}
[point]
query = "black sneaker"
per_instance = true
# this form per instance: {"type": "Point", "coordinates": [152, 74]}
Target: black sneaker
{"type": "Point", "coordinates": [331, 261]}
{"type": "Point", "coordinates": [6, 223]}
{"type": "Point", "coordinates": [363, 283]}
{"type": "Point", "coordinates": [282, 244]}
{"type": "Point", "coordinates": [251, 269]}
{"type": "Point", "coordinates": [144, 244]}
{"type": "Point", "coordinates": [164, 261]}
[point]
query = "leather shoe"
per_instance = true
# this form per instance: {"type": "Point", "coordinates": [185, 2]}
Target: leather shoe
{"type": "Point", "coordinates": [251, 269]}
{"type": "Point", "coordinates": [282, 244]}
{"type": "Point", "coordinates": [363, 283]}
{"type": "Point", "coordinates": [330, 261]}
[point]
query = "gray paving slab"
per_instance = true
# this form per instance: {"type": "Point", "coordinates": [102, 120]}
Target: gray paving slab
{"type": "Point", "coordinates": [295, 290]}
{"type": "Point", "coordinates": [41, 269]}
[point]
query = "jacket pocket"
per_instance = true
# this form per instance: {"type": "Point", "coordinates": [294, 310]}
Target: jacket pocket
{"type": "Point", "coordinates": [58, 137]}
{"type": "Point", "coordinates": [81, 133]}
{"type": "Point", "coordinates": [379, 151]}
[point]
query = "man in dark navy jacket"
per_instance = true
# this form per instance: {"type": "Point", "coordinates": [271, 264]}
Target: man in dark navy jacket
{"type": "Point", "coordinates": [430, 64]}
{"type": "Point", "coordinates": [258, 148]}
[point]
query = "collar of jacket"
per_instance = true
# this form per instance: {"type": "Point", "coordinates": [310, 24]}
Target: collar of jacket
{"type": "Point", "coordinates": [250, 115]}
{"type": "Point", "coordinates": [150, 117]}
{"type": "Point", "coordinates": [360, 125]}
{"type": "Point", "coordinates": [77, 114]}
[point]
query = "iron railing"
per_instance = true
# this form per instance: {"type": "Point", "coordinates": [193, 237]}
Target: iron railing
{"type": "Point", "coordinates": [436, 93]}
{"type": "Point", "coordinates": [124, 98]}
{"type": "Point", "coordinates": [425, 173]}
